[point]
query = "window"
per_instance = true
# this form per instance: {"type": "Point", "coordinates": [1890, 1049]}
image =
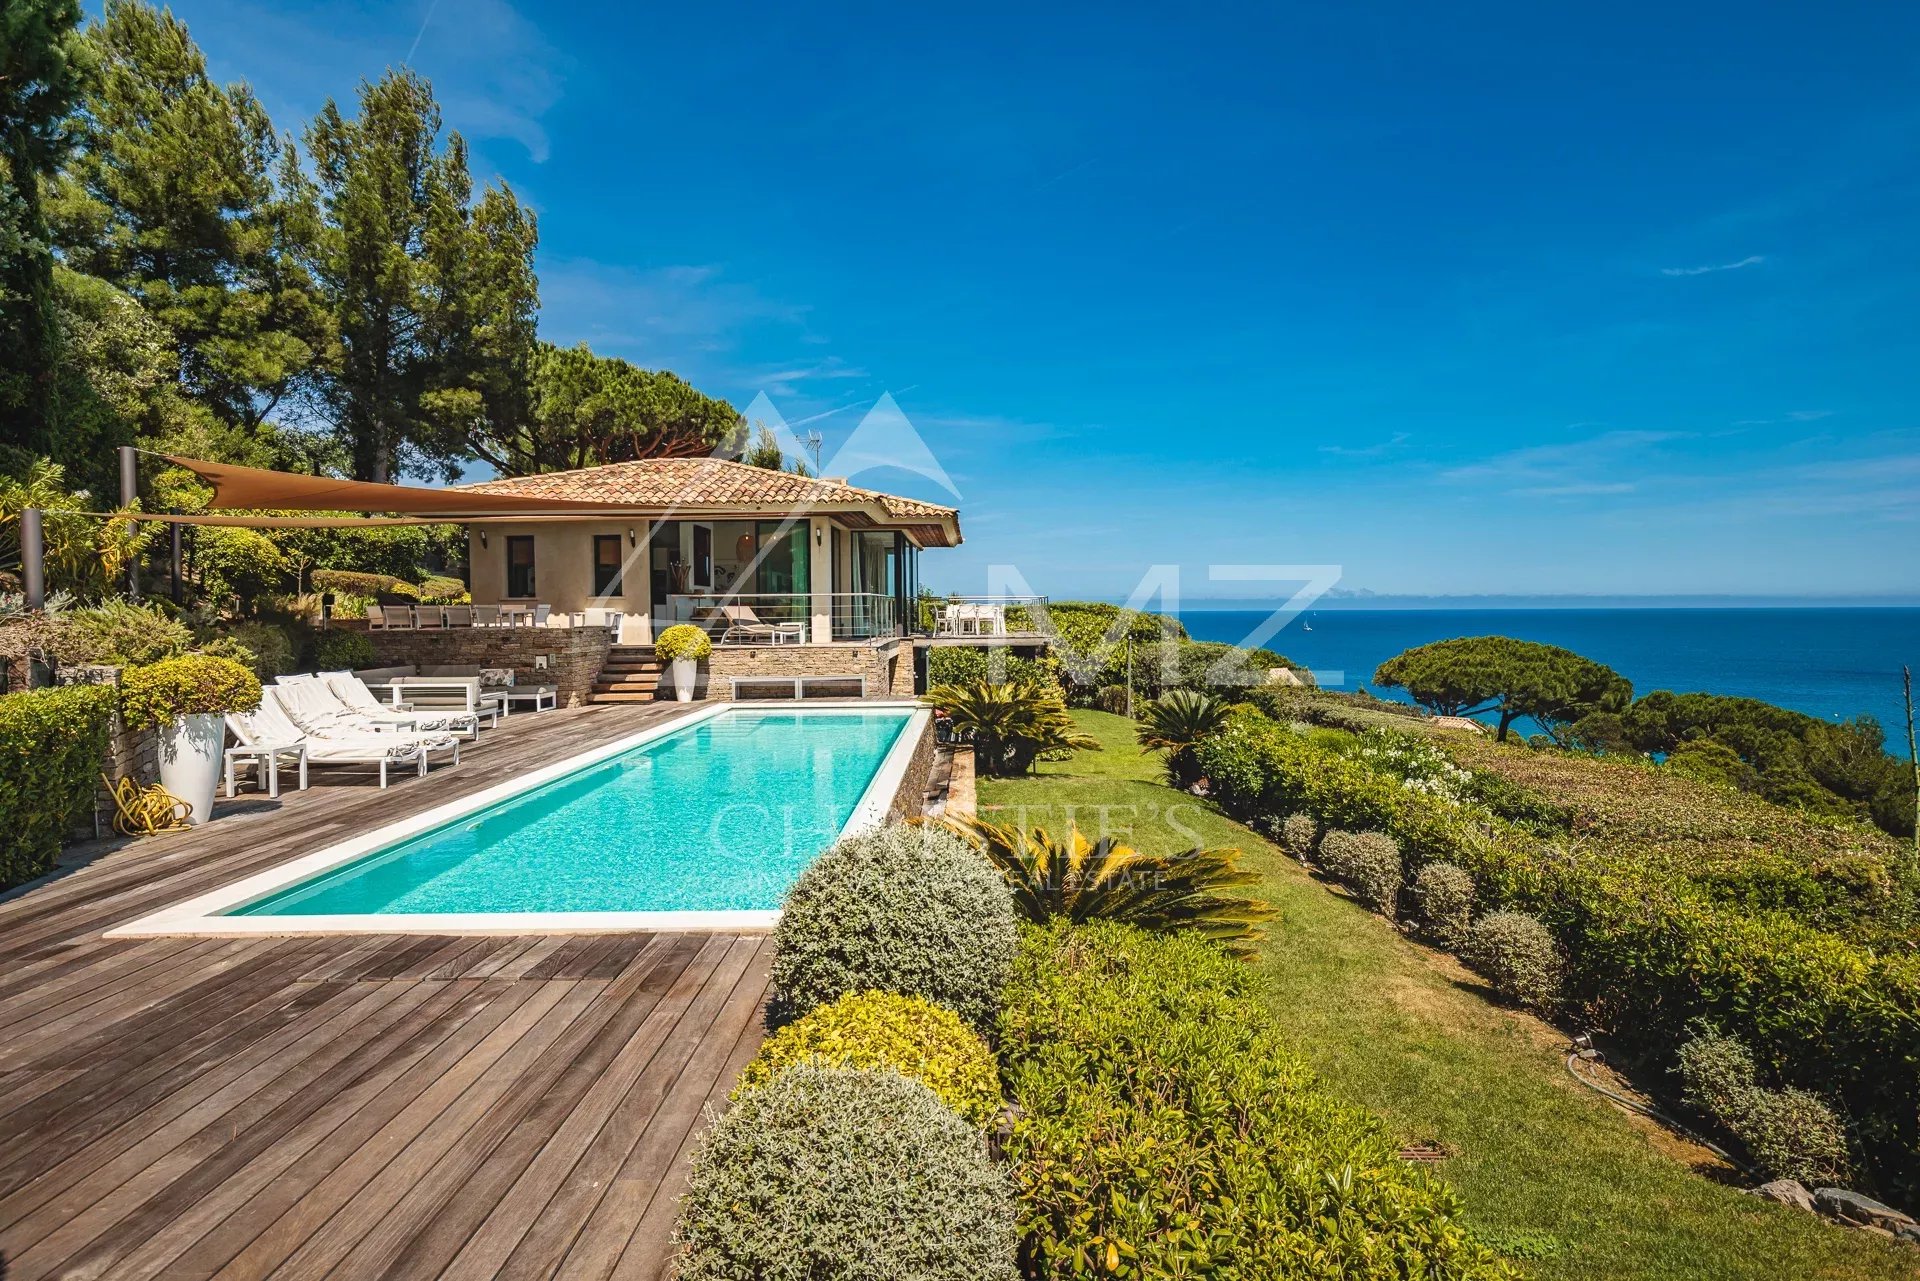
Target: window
{"type": "Point", "coordinates": [606, 565]}
{"type": "Point", "coordinates": [520, 565]}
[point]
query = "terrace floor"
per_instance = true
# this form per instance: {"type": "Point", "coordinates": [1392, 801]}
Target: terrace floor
{"type": "Point", "coordinates": [354, 1106]}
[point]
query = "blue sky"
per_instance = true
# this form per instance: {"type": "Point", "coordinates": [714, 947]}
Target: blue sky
{"type": "Point", "coordinates": [1461, 299]}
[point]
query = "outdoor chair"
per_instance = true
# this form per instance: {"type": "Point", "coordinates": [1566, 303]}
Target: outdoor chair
{"type": "Point", "coordinates": [376, 619]}
{"type": "Point", "coordinates": [459, 615]}
{"type": "Point", "coordinates": [317, 713]}
{"type": "Point", "coordinates": [268, 730]}
{"type": "Point", "coordinates": [486, 616]}
{"type": "Point", "coordinates": [429, 618]}
{"type": "Point", "coordinates": [347, 690]}
{"type": "Point", "coordinates": [744, 626]}
{"type": "Point", "coordinates": [397, 618]}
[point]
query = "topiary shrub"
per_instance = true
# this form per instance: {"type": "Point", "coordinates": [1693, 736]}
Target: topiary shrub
{"type": "Point", "coordinates": [51, 744]}
{"type": "Point", "coordinates": [855, 1175]}
{"type": "Point", "coordinates": [908, 909]}
{"type": "Point", "coordinates": [907, 1034]}
{"type": "Point", "coordinates": [338, 651]}
{"type": "Point", "coordinates": [682, 640]}
{"type": "Point", "coordinates": [438, 589]}
{"type": "Point", "coordinates": [1442, 896]}
{"type": "Point", "coordinates": [1299, 835]}
{"type": "Point", "coordinates": [1369, 863]}
{"type": "Point", "coordinates": [1516, 954]}
{"type": "Point", "coordinates": [191, 685]}
{"type": "Point", "coordinates": [1790, 1133]}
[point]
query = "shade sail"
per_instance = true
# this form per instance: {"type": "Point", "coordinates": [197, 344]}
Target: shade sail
{"type": "Point", "coordinates": [255, 487]}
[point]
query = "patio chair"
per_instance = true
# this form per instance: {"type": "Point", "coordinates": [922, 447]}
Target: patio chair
{"type": "Point", "coordinates": [743, 625]}
{"type": "Point", "coordinates": [376, 619]}
{"type": "Point", "coordinates": [429, 618]}
{"type": "Point", "coordinates": [540, 615]}
{"type": "Point", "coordinates": [459, 615]}
{"type": "Point", "coordinates": [348, 690]}
{"type": "Point", "coordinates": [269, 730]}
{"type": "Point", "coordinates": [317, 714]}
{"type": "Point", "coordinates": [397, 618]}
{"type": "Point", "coordinates": [486, 616]}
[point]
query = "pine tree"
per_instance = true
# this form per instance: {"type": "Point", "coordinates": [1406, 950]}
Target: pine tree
{"type": "Point", "coordinates": [171, 197]}
{"type": "Point", "coordinates": [43, 62]}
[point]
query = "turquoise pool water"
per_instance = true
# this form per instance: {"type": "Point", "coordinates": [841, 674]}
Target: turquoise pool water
{"type": "Point", "coordinates": [721, 816]}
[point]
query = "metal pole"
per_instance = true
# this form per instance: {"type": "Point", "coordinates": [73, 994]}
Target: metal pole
{"type": "Point", "coordinates": [33, 558]}
{"type": "Point", "coordinates": [174, 581]}
{"type": "Point", "coordinates": [129, 495]}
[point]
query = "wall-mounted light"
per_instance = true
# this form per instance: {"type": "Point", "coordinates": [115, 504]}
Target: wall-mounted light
{"type": "Point", "coordinates": [819, 537]}
{"type": "Point", "coordinates": [633, 539]}
{"type": "Point", "coordinates": [483, 536]}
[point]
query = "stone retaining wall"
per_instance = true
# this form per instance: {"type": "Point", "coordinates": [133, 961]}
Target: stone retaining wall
{"type": "Point", "coordinates": [574, 655]}
{"type": "Point", "coordinates": [887, 665]}
{"type": "Point", "coordinates": [910, 801]}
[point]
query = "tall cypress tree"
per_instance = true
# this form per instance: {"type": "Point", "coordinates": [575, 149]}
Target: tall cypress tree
{"type": "Point", "coordinates": [42, 69]}
{"type": "Point", "coordinates": [172, 197]}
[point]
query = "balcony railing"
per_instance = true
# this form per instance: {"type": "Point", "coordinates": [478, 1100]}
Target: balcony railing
{"type": "Point", "coordinates": [782, 618]}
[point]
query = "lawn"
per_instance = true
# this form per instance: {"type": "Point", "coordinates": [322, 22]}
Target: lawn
{"type": "Point", "coordinates": [1544, 1165]}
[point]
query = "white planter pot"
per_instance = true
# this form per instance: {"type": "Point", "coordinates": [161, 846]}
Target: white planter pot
{"type": "Point", "coordinates": [190, 761]}
{"type": "Point", "coordinates": [685, 670]}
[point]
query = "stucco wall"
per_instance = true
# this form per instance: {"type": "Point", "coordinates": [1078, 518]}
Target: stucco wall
{"type": "Point", "coordinates": [562, 565]}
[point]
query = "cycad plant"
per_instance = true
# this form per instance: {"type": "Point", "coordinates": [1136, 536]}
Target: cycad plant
{"type": "Point", "coordinates": [1083, 880]}
{"type": "Point", "coordinates": [1174, 724]}
{"type": "Point", "coordinates": [1010, 726]}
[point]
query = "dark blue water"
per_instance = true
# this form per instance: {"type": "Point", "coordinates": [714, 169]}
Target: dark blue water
{"type": "Point", "coordinates": [1831, 663]}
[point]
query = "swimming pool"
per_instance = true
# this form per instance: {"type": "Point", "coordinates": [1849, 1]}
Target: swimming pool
{"type": "Point", "coordinates": [702, 823]}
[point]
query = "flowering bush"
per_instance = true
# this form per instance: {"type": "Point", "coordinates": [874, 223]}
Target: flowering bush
{"type": "Point", "coordinates": [682, 640]}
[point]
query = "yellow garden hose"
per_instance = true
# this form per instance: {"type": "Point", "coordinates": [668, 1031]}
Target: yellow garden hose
{"type": "Point", "coordinates": [145, 811]}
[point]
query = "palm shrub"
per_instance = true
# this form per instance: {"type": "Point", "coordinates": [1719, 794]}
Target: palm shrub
{"type": "Point", "coordinates": [905, 1034]}
{"type": "Point", "coordinates": [908, 909]}
{"type": "Point", "coordinates": [1368, 863]}
{"type": "Point", "coordinates": [1083, 881]}
{"type": "Point", "coordinates": [1174, 725]}
{"type": "Point", "coordinates": [1163, 1127]}
{"type": "Point", "coordinates": [1516, 954]}
{"type": "Point", "coordinates": [844, 1173]}
{"type": "Point", "coordinates": [1010, 726]}
{"type": "Point", "coordinates": [1442, 896]}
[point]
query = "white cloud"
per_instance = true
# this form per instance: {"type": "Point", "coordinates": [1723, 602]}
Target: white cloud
{"type": "Point", "coordinates": [1374, 450]}
{"type": "Point", "coordinates": [1588, 467]}
{"type": "Point", "coordinates": [1751, 260]}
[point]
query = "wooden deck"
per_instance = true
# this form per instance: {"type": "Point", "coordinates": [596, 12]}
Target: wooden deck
{"type": "Point", "coordinates": [351, 1106]}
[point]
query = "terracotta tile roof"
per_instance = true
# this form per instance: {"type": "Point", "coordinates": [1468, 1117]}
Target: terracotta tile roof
{"type": "Point", "coordinates": [706, 482]}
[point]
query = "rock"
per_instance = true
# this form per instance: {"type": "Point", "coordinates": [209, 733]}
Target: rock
{"type": "Point", "coordinates": [1787, 1192]}
{"type": "Point", "coordinates": [1854, 1208]}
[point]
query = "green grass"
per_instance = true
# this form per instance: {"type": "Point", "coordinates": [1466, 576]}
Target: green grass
{"type": "Point", "coordinates": [1543, 1164]}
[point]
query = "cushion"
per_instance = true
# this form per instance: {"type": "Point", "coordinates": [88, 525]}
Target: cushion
{"type": "Point", "coordinates": [495, 677]}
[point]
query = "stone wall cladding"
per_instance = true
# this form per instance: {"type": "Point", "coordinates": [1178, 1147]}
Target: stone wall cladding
{"type": "Point", "coordinates": [575, 655]}
{"type": "Point", "coordinates": [887, 665]}
{"type": "Point", "coordinates": [911, 800]}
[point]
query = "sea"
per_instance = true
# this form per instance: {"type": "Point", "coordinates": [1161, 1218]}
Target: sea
{"type": "Point", "coordinates": [1835, 663]}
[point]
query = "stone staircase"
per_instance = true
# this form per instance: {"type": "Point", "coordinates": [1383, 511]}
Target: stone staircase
{"type": "Point", "coordinates": [631, 675]}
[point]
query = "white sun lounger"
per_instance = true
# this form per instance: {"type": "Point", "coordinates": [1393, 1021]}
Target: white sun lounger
{"type": "Point", "coordinates": [269, 730]}
{"type": "Point", "coordinates": [318, 715]}
{"type": "Point", "coordinates": [358, 701]}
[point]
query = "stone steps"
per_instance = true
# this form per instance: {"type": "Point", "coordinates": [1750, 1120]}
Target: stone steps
{"type": "Point", "coordinates": [631, 674]}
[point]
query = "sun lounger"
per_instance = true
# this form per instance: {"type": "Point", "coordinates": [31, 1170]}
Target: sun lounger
{"type": "Point", "coordinates": [269, 730]}
{"type": "Point", "coordinates": [320, 716]}
{"type": "Point", "coordinates": [356, 698]}
{"type": "Point", "coordinates": [745, 625]}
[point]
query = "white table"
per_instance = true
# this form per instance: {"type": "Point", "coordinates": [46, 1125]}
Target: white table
{"type": "Point", "coordinates": [266, 756]}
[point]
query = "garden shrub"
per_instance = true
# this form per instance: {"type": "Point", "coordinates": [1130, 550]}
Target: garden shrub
{"type": "Point", "coordinates": [1370, 865]}
{"type": "Point", "coordinates": [682, 640]}
{"type": "Point", "coordinates": [1645, 950]}
{"type": "Point", "coordinates": [968, 665]}
{"type": "Point", "coordinates": [192, 684]}
{"type": "Point", "coordinates": [1790, 1133]}
{"type": "Point", "coordinates": [908, 909]}
{"type": "Point", "coordinates": [341, 651]}
{"type": "Point", "coordinates": [438, 589]}
{"type": "Point", "coordinates": [1516, 954]}
{"type": "Point", "coordinates": [906, 1034]}
{"type": "Point", "coordinates": [1299, 835]}
{"type": "Point", "coordinates": [1443, 899]}
{"type": "Point", "coordinates": [119, 633]}
{"type": "Point", "coordinates": [1010, 726]}
{"type": "Point", "coordinates": [1165, 1129]}
{"type": "Point", "coordinates": [1108, 698]}
{"type": "Point", "coordinates": [387, 589]}
{"type": "Point", "coordinates": [855, 1175]}
{"type": "Point", "coordinates": [52, 742]}
{"type": "Point", "coordinates": [270, 646]}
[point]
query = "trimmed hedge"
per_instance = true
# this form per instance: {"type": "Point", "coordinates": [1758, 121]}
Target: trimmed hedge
{"type": "Point", "coordinates": [908, 909]}
{"type": "Point", "coordinates": [1165, 1129]}
{"type": "Point", "coordinates": [52, 742]}
{"type": "Point", "coordinates": [908, 1034]}
{"type": "Point", "coordinates": [854, 1175]}
{"type": "Point", "coordinates": [1646, 952]}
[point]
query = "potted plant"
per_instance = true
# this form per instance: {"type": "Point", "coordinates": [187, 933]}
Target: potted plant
{"type": "Point", "coordinates": [183, 700]}
{"type": "Point", "coordinates": [683, 646]}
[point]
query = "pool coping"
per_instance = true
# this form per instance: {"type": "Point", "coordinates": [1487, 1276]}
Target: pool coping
{"type": "Point", "coordinates": [199, 915]}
